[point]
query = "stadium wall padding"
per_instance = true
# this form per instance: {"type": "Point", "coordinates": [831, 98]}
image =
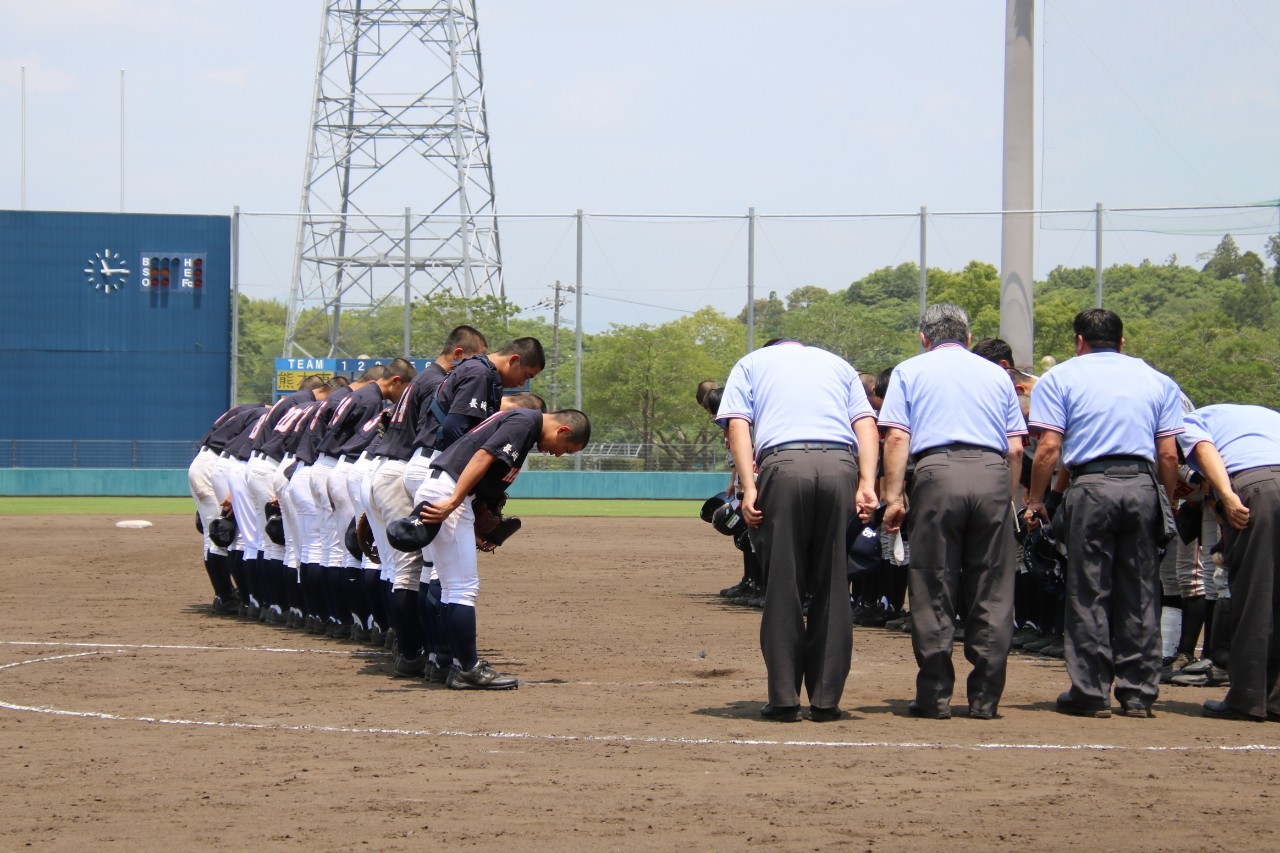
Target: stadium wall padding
{"type": "Point", "coordinates": [169, 482]}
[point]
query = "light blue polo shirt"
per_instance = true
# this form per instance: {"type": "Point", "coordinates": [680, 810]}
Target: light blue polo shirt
{"type": "Point", "coordinates": [949, 395]}
{"type": "Point", "coordinates": [791, 392]}
{"type": "Point", "coordinates": [1246, 436]}
{"type": "Point", "coordinates": [1106, 403]}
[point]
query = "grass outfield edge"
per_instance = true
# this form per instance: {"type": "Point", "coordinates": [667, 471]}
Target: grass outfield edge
{"type": "Point", "coordinates": [525, 507]}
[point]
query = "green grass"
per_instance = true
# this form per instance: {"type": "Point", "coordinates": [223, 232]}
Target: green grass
{"type": "Point", "coordinates": [532, 508]}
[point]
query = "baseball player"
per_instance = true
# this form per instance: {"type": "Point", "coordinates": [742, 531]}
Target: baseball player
{"type": "Point", "coordinates": [388, 498]}
{"type": "Point", "coordinates": [351, 429]}
{"type": "Point", "coordinates": [201, 479]}
{"type": "Point", "coordinates": [316, 603]}
{"type": "Point", "coordinates": [484, 462]}
{"type": "Point", "coordinates": [264, 458]}
{"type": "Point", "coordinates": [471, 393]}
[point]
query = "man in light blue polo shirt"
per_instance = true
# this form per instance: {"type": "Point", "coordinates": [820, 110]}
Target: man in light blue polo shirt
{"type": "Point", "coordinates": [1112, 420]}
{"type": "Point", "coordinates": [957, 415]}
{"type": "Point", "coordinates": [816, 449]}
{"type": "Point", "coordinates": [1237, 448]}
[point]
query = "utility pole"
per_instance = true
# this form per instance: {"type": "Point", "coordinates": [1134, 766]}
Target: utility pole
{"type": "Point", "coordinates": [557, 302]}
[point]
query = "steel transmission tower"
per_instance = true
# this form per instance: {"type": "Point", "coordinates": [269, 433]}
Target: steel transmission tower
{"type": "Point", "coordinates": [398, 123]}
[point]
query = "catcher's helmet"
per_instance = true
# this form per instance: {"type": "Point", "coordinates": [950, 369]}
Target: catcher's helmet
{"type": "Point", "coordinates": [711, 504]}
{"type": "Point", "coordinates": [411, 533]}
{"type": "Point", "coordinates": [274, 528]}
{"type": "Point", "coordinates": [222, 530]}
{"type": "Point", "coordinates": [1040, 553]}
{"type": "Point", "coordinates": [727, 519]}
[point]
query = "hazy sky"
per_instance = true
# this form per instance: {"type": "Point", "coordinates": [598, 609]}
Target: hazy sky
{"type": "Point", "coordinates": [706, 107]}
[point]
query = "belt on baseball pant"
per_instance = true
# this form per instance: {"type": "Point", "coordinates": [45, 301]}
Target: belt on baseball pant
{"type": "Point", "coordinates": [1114, 465]}
{"type": "Point", "coordinates": [957, 447]}
{"type": "Point", "coordinates": [257, 454]}
{"type": "Point", "coordinates": [435, 473]}
{"type": "Point", "coordinates": [803, 445]}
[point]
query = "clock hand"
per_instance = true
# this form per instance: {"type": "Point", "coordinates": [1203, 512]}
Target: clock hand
{"type": "Point", "coordinates": [105, 268]}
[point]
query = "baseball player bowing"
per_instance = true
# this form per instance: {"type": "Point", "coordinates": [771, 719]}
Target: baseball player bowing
{"type": "Point", "coordinates": [483, 462]}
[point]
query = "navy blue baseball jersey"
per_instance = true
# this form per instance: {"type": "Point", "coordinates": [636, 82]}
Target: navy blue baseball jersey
{"type": "Point", "coordinates": [277, 442]}
{"type": "Point", "coordinates": [473, 390]}
{"type": "Point", "coordinates": [299, 428]}
{"type": "Point", "coordinates": [354, 410]}
{"type": "Point", "coordinates": [399, 440]}
{"type": "Point", "coordinates": [308, 447]}
{"type": "Point", "coordinates": [508, 436]}
{"type": "Point", "coordinates": [262, 430]}
{"type": "Point", "coordinates": [240, 446]}
{"type": "Point", "coordinates": [231, 423]}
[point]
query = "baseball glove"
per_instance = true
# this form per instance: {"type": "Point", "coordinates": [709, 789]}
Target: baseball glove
{"type": "Point", "coordinates": [492, 528]}
{"type": "Point", "coordinates": [364, 535]}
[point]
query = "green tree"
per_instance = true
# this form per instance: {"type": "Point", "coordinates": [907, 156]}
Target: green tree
{"type": "Point", "coordinates": [770, 317]}
{"type": "Point", "coordinates": [640, 380]}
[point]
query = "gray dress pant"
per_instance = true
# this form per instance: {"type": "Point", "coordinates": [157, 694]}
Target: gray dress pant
{"type": "Point", "coordinates": [961, 530]}
{"type": "Point", "coordinates": [807, 498]}
{"type": "Point", "coordinates": [1251, 556]}
{"type": "Point", "coordinates": [1113, 588]}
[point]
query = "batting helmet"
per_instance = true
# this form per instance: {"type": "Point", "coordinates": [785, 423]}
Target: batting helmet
{"type": "Point", "coordinates": [274, 528]}
{"type": "Point", "coordinates": [351, 541]}
{"type": "Point", "coordinates": [862, 544]}
{"type": "Point", "coordinates": [711, 504]}
{"type": "Point", "coordinates": [411, 533]}
{"type": "Point", "coordinates": [222, 530]}
{"type": "Point", "coordinates": [727, 519]}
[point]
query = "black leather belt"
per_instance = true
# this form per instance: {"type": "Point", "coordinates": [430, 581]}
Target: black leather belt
{"type": "Point", "coordinates": [803, 445]}
{"type": "Point", "coordinates": [435, 473]}
{"type": "Point", "coordinates": [1114, 465]}
{"type": "Point", "coordinates": [260, 455]}
{"type": "Point", "coordinates": [947, 448]}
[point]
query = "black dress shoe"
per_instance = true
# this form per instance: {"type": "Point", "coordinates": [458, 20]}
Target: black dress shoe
{"type": "Point", "coordinates": [1223, 711]}
{"type": "Point", "coordinates": [916, 711]}
{"type": "Point", "coordinates": [781, 714]}
{"type": "Point", "coordinates": [1135, 708]}
{"type": "Point", "coordinates": [975, 714]}
{"type": "Point", "coordinates": [824, 715]}
{"type": "Point", "coordinates": [1066, 704]}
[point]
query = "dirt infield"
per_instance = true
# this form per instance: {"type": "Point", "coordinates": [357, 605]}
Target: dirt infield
{"type": "Point", "coordinates": [132, 719]}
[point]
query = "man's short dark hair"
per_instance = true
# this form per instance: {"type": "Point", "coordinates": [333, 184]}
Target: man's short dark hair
{"type": "Point", "coordinates": [402, 368]}
{"type": "Point", "coordinates": [703, 387]}
{"type": "Point", "coordinates": [335, 382]}
{"type": "Point", "coordinates": [466, 337]}
{"type": "Point", "coordinates": [311, 383]}
{"type": "Point", "coordinates": [577, 422]}
{"type": "Point", "coordinates": [527, 400]}
{"type": "Point", "coordinates": [1100, 328]}
{"type": "Point", "coordinates": [373, 374]}
{"type": "Point", "coordinates": [994, 350]}
{"type": "Point", "coordinates": [882, 382]}
{"type": "Point", "coordinates": [529, 350]}
{"type": "Point", "coordinates": [711, 402]}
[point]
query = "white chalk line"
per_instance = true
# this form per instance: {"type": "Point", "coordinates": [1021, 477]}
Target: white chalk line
{"type": "Point", "coordinates": [103, 648]}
